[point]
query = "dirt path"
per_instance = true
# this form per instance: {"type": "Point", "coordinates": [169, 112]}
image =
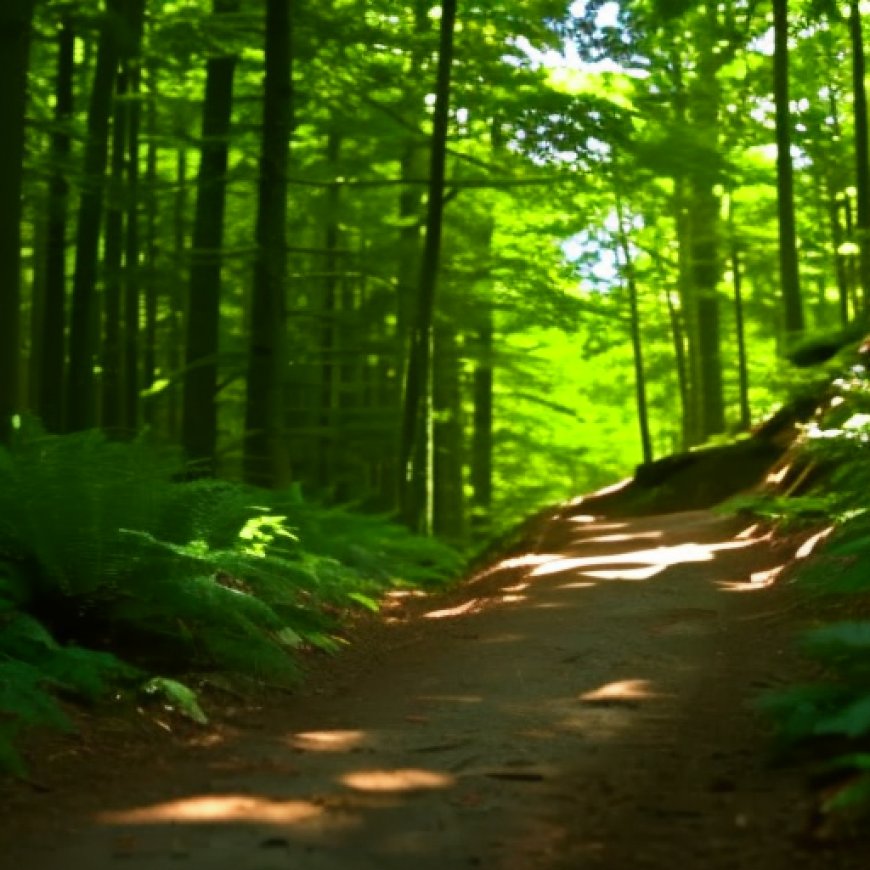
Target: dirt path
{"type": "Point", "coordinates": [583, 707]}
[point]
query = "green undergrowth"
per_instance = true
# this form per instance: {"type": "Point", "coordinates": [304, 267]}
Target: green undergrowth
{"type": "Point", "coordinates": [118, 575]}
{"type": "Point", "coordinates": [830, 719]}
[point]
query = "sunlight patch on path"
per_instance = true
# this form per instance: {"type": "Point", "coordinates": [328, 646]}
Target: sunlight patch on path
{"type": "Point", "coordinates": [407, 779]}
{"type": "Point", "coordinates": [649, 561]}
{"type": "Point", "coordinates": [448, 612]}
{"type": "Point", "coordinates": [621, 690]}
{"type": "Point", "coordinates": [218, 808]}
{"type": "Point", "coordinates": [328, 741]}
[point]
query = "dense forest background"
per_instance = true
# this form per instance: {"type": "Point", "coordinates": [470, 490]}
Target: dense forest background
{"type": "Point", "coordinates": [451, 262]}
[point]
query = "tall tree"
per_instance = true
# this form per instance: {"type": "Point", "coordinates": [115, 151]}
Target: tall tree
{"type": "Point", "coordinates": [80, 400]}
{"type": "Point", "coordinates": [630, 280]}
{"type": "Point", "coordinates": [112, 357]}
{"type": "Point", "coordinates": [16, 18]}
{"type": "Point", "coordinates": [789, 275]}
{"type": "Point", "coordinates": [414, 461]}
{"type": "Point", "coordinates": [199, 426]}
{"type": "Point", "coordinates": [329, 315]}
{"type": "Point", "coordinates": [704, 231]}
{"type": "Point", "coordinates": [862, 149]}
{"type": "Point", "coordinates": [131, 276]}
{"type": "Point", "coordinates": [51, 344]}
{"type": "Point", "coordinates": [265, 458]}
{"type": "Point", "coordinates": [482, 392]}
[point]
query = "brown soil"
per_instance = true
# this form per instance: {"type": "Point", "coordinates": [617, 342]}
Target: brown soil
{"type": "Point", "coordinates": [587, 704]}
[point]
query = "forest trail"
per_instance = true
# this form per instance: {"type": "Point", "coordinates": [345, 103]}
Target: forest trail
{"type": "Point", "coordinates": [583, 706]}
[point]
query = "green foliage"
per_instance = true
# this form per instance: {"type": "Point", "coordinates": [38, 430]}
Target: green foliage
{"type": "Point", "coordinates": [176, 696]}
{"type": "Point", "coordinates": [101, 544]}
{"type": "Point", "coordinates": [835, 712]}
{"type": "Point", "coordinates": [855, 793]}
{"type": "Point", "coordinates": [790, 513]}
{"type": "Point", "coordinates": [35, 669]}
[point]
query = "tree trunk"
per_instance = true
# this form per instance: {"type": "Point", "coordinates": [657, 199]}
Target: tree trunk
{"type": "Point", "coordinates": [112, 413]}
{"type": "Point", "coordinates": [788, 262]}
{"type": "Point", "coordinates": [841, 268]}
{"type": "Point", "coordinates": [413, 165]}
{"type": "Point", "coordinates": [742, 358]}
{"type": "Point", "coordinates": [862, 157]}
{"type": "Point", "coordinates": [684, 326]}
{"type": "Point", "coordinates": [150, 265]}
{"type": "Point", "coordinates": [131, 274]}
{"type": "Point", "coordinates": [679, 343]}
{"type": "Point", "coordinates": [51, 363]}
{"type": "Point", "coordinates": [703, 217]}
{"type": "Point", "coordinates": [81, 408]}
{"type": "Point", "coordinates": [16, 17]}
{"type": "Point", "coordinates": [199, 402]}
{"type": "Point", "coordinates": [177, 305]}
{"type": "Point", "coordinates": [413, 457]}
{"type": "Point", "coordinates": [265, 457]}
{"type": "Point", "coordinates": [634, 320]}
{"type": "Point", "coordinates": [329, 312]}
{"type": "Point", "coordinates": [481, 445]}
{"type": "Point", "coordinates": [447, 433]}
{"type": "Point", "coordinates": [482, 398]}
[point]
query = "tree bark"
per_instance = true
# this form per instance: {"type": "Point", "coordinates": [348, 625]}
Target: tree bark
{"type": "Point", "coordinates": [634, 321]}
{"type": "Point", "coordinates": [16, 18]}
{"type": "Point", "coordinates": [413, 457]}
{"type": "Point", "coordinates": [199, 399]}
{"type": "Point", "coordinates": [112, 413]}
{"type": "Point", "coordinates": [862, 151]}
{"type": "Point", "coordinates": [447, 434]}
{"type": "Point", "coordinates": [788, 261]}
{"type": "Point", "coordinates": [704, 232]}
{"type": "Point", "coordinates": [329, 437]}
{"type": "Point", "coordinates": [150, 264]}
{"type": "Point", "coordinates": [265, 459]}
{"type": "Point", "coordinates": [740, 328]}
{"type": "Point", "coordinates": [81, 406]}
{"type": "Point", "coordinates": [131, 275]}
{"type": "Point", "coordinates": [51, 363]}
{"type": "Point", "coordinates": [483, 399]}
{"type": "Point", "coordinates": [177, 289]}
{"type": "Point", "coordinates": [683, 322]}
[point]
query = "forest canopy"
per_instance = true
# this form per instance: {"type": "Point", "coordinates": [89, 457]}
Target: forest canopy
{"type": "Point", "coordinates": [449, 262]}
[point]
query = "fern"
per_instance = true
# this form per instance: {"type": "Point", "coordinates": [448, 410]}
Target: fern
{"type": "Point", "coordinates": [854, 794]}
{"type": "Point", "coordinates": [176, 696]}
{"type": "Point", "coordinates": [835, 714]}
{"type": "Point", "coordinates": [34, 670]}
{"type": "Point", "coordinates": [101, 546]}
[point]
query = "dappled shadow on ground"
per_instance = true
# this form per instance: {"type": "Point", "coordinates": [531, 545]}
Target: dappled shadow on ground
{"type": "Point", "coordinates": [558, 712]}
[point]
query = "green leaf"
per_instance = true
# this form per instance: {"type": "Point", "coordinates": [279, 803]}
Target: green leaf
{"type": "Point", "coordinates": [176, 696]}
{"type": "Point", "coordinates": [365, 601]}
{"type": "Point", "coordinates": [838, 640]}
{"type": "Point", "coordinates": [852, 721]}
{"type": "Point", "coordinates": [289, 637]}
{"type": "Point", "coordinates": [851, 761]}
{"type": "Point", "coordinates": [855, 794]}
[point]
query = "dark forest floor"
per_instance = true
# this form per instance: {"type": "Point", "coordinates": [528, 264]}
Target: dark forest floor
{"type": "Point", "coordinates": [587, 705]}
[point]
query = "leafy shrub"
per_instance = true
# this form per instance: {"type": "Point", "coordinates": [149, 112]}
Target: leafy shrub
{"type": "Point", "coordinates": [104, 546]}
{"type": "Point", "coordinates": [834, 714]}
{"type": "Point", "coordinates": [34, 669]}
